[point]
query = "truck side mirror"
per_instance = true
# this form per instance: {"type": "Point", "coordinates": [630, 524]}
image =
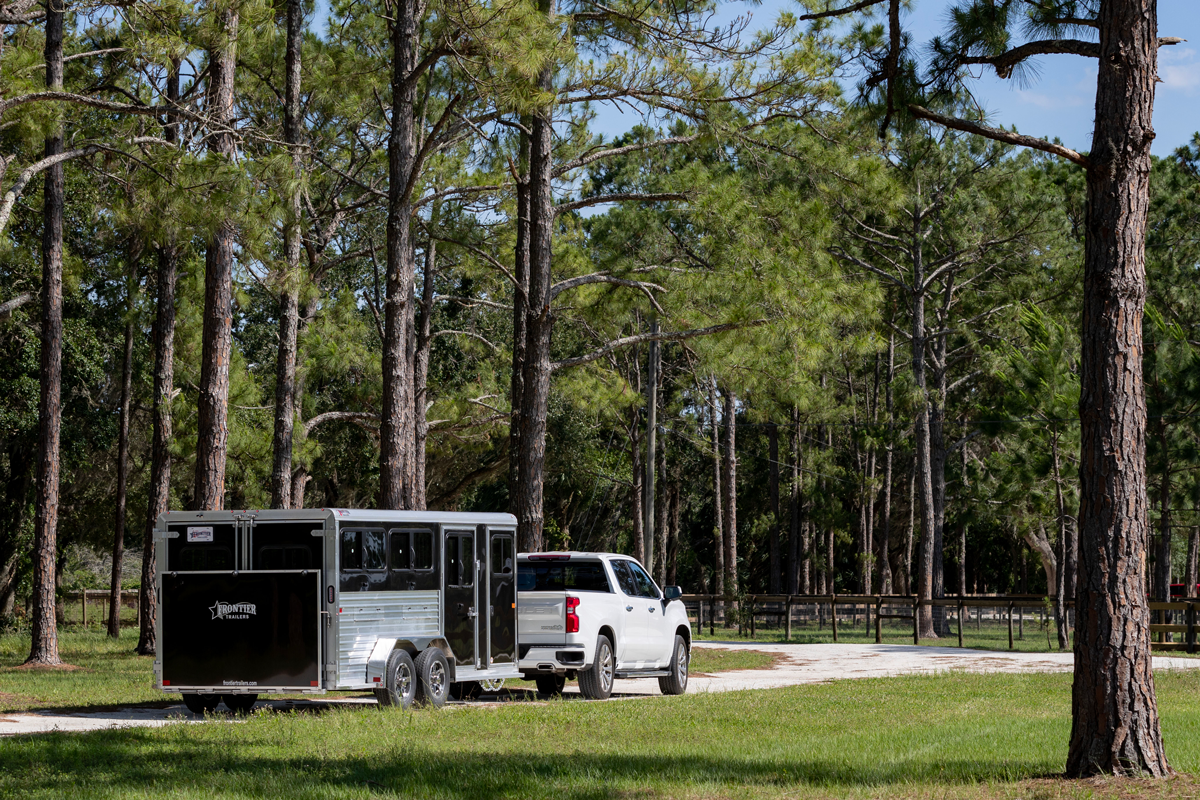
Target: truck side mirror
{"type": "Point", "coordinates": [672, 593]}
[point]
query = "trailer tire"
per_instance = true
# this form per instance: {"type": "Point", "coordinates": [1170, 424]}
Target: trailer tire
{"type": "Point", "coordinates": [596, 683]}
{"type": "Point", "coordinates": [681, 657]}
{"type": "Point", "coordinates": [551, 685]}
{"type": "Point", "coordinates": [399, 681]}
{"type": "Point", "coordinates": [433, 673]}
{"type": "Point", "coordinates": [201, 704]}
{"type": "Point", "coordinates": [240, 703]}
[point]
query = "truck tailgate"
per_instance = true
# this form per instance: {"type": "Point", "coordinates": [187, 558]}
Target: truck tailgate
{"type": "Point", "coordinates": [541, 617]}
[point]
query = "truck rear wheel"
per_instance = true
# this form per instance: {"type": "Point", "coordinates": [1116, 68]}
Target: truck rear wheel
{"type": "Point", "coordinates": [399, 681]}
{"type": "Point", "coordinates": [551, 685]}
{"type": "Point", "coordinates": [676, 682]}
{"type": "Point", "coordinates": [433, 674]}
{"type": "Point", "coordinates": [240, 703]}
{"type": "Point", "coordinates": [201, 703]}
{"type": "Point", "coordinates": [597, 683]}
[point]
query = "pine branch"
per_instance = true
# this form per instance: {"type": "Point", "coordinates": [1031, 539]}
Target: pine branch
{"type": "Point", "coordinates": [596, 155]}
{"type": "Point", "coordinates": [333, 416]}
{"type": "Point", "coordinates": [9, 306]}
{"type": "Point", "coordinates": [575, 205]}
{"type": "Point", "coordinates": [999, 135]}
{"type": "Point", "coordinates": [661, 336]}
{"type": "Point", "coordinates": [600, 277]}
{"type": "Point", "coordinates": [464, 333]}
{"type": "Point", "coordinates": [841, 12]}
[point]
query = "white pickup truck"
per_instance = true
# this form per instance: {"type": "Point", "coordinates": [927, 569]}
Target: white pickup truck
{"type": "Point", "coordinates": [598, 616]}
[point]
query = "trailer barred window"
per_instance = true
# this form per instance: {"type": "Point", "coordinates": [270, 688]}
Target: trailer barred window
{"type": "Point", "coordinates": [363, 560]}
{"type": "Point", "coordinates": [412, 550]}
{"type": "Point", "coordinates": [502, 555]}
{"type": "Point", "coordinates": [460, 559]}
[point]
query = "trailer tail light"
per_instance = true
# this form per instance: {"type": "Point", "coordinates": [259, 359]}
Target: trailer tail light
{"type": "Point", "coordinates": [572, 617]}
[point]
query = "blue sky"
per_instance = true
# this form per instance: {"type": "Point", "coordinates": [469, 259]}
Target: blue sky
{"type": "Point", "coordinates": [1060, 100]}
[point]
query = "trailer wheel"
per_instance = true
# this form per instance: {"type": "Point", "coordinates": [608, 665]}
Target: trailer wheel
{"type": "Point", "coordinates": [466, 690]}
{"type": "Point", "coordinates": [240, 703]}
{"type": "Point", "coordinates": [201, 703]}
{"type": "Point", "coordinates": [433, 672]}
{"type": "Point", "coordinates": [676, 682]}
{"type": "Point", "coordinates": [400, 681]}
{"type": "Point", "coordinates": [597, 683]}
{"type": "Point", "coordinates": [551, 685]}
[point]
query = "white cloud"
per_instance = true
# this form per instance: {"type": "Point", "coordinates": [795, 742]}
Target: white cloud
{"type": "Point", "coordinates": [1179, 69]}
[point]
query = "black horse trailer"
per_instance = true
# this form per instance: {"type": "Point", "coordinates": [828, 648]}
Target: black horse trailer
{"type": "Point", "coordinates": [412, 605]}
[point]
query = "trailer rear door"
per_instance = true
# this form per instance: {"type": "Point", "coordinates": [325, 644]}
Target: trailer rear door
{"type": "Point", "coordinates": [241, 630]}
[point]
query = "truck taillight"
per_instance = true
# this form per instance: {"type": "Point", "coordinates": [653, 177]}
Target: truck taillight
{"type": "Point", "coordinates": [572, 617]}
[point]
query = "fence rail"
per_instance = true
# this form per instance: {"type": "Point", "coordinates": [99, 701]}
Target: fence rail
{"type": "Point", "coordinates": [875, 605]}
{"type": "Point", "coordinates": [128, 599]}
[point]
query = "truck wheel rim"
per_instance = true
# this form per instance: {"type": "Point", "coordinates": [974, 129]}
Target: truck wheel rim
{"type": "Point", "coordinates": [605, 667]}
{"type": "Point", "coordinates": [437, 678]}
{"type": "Point", "coordinates": [681, 664]}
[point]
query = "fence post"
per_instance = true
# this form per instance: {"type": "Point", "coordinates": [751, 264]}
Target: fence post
{"type": "Point", "coordinates": [1010, 638]}
{"type": "Point", "coordinates": [712, 615]}
{"type": "Point", "coordinates": [788, 606]}
{"type": "Point", "coordinates": [833, 614]}
{"type": "Point", "coordinates": [137, 611]}
{"type": "Point", "coordinates": [752, 616]}
{"type": "Point", "coordinates": [960, 613]}
{"type": "Point", "coordinates": [1190, 621]}
{"type": "Point", "coordinates": [878, 620]}
{"type": "Point", "coordinates": [83, 595]}
{"type": "Point", "coordinates": [916, 613]}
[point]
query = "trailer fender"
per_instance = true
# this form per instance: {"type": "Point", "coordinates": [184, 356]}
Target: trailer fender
{"type": "Point", "coordinates": [377, 662]}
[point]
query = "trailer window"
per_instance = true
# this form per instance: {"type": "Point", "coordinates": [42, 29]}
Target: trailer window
{"type": "Point", "coordinates": [412, 550]}
{"type": "Point", "coordinates": [502, 555]}
{"type": "Point", "coordinates": [362, 550]}
{"type": "Point", "coordinates": [460, 560]}
{"type": "Point", "coordinates": [205, 559]}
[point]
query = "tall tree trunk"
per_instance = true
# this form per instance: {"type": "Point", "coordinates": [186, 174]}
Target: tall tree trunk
{"type": "Point", "coordinates": [395, 431]}
{"type": "Point", "coordinates": [164, 388]}
{"type": "Point", "coordinates": [1115, 726]}
{"type": "Point", "coordinates": [924, 467]}
{"type": "Point", "coordinates": [520, 310]}
{"type": "Point", "coordinates": [637, 491]}
{"type": "Point", "coordinates": [421, 372]}
{"type": "Point", "coordinates": [718, 504]}
{"type": "Point", "coordinates": [661, 512]}
{"type": "Point", "coordinates": [909, 535]}
{"type": "Point", "coordinates": [729, 486]}
{"type": "Point", "coordinates": [885, 534]}
{"type": "Point", "coordinates": [44, 646]}
{"type": "Point", "coordinates": [289, 294]}
{"type": "Point", "coordinates": [539, 321]}
{"type": "Point", "coordinates": [118, 551]}
{"type": "Point", "coordinates": [794, 553]}
{"type": "Point", "coordinates": [1064, 550]}
{"type": "Point", "coordinates": [1192, 562]}
{"type": "Point", "coordinates": [213, 404]}
{"type": "Point", "coordinates": [652, 369]}
{"type": "Point", "coordinates": [775, 583]}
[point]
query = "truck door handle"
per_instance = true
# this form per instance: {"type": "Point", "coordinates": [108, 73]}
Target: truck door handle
{"type": "Point", "coordinates": [651, 609]}
{"type": "Point", "coordinates": [629, 608]}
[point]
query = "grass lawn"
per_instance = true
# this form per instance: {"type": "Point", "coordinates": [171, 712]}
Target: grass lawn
{"type": "Point", "coordinates": [707, 660]}
{"type": "Point", "coordinates": [949, 736]}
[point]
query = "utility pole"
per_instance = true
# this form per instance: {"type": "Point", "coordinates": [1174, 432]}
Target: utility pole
{"type": "Point", "coordinates": [652, 369]}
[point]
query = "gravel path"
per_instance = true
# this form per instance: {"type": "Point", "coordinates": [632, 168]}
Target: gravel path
{"type": "Point", "coordinates": [798, 664]}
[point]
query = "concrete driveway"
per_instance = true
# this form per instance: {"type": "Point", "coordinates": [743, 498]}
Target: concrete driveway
{"type": "Point", "coordinates": [797, 664]}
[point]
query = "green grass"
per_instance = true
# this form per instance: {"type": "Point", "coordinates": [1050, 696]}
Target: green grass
{"type": "Point", "coordinates": [707, 659]}
{"type": "Point", "coordinates": [956, 735]}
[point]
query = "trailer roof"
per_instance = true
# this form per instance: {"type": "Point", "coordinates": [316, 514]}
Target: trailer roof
{"type": "Point", "coordinates": [349, 515]}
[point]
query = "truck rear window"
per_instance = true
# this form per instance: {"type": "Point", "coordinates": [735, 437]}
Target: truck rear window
{"type": "Point", "coordinates": [577, 576]}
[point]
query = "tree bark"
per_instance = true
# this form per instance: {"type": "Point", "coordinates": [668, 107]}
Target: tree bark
{"type": "Point", "coordinates": [289, 295]}
{"type": "Point", "coordinates": [1192, 577]}
{"type": "Point", "coordinates": [118, 551]}
{"type": "Point", "coordinates": [213, 404]}
{"type": "Point", "coordinates": [395, 431]}
{"type": "Point", "coordinates": [44, 629]}
{"type": "Point", "coordinates": [539, 321]}
{"type": "Point", "coordinates": [885, 535]}
{"type": "Point", "coordinates": [661, 513]}
{"type": "Point", "coordinates": [520, 310]}
{"type": "Point", "coordinates": [718, 505]}
{"type": "Point", "coordinates": [637, 492]}
{"type": "Point", "coordinates": [924, 466]}
{"type": "Point", "coordinates": [421, 373]}
{"type": "Point", "coordinates": [652, 364]}
{"type": "Point", "coordinates": [1115, 726]}
{"type": "Point", "coordinates": [164, 388]}
{"type": "Point", "coordinates": [775, 583]}
{"type": "Point", "coordinates": [729, 487]}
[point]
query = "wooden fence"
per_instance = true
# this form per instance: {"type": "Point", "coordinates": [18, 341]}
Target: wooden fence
{"type": "Point", "coordinates": [99, 600]}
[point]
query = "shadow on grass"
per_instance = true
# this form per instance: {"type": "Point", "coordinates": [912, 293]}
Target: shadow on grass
{"type": "Point", "coordinates": [115, 762]}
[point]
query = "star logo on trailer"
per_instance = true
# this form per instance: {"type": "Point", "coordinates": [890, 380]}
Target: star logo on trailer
{"type": "Point", "coordinates": [222, 610]}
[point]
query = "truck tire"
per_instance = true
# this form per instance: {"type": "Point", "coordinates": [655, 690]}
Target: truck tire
{"type": "Point", "coordinates": [201, 704]}
{"type": "Point", "coordinates": [399, 681]}
{"type": "Point", "coordinates": [433, 674]}
{"type": "Point", "coordinates": [596, 683]}
{"type": "Point", "coordinates": [550, 685]}
{"type": "Point", "coordinates": [240, 703]}
{"type": "Point", "coordinates": [676, 682]}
